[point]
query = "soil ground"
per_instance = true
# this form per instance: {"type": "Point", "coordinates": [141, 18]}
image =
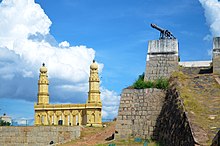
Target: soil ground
{"type": "Point", "coordinates": [91, 136]}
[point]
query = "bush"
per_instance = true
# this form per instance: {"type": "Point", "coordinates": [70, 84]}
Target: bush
{"type": "Point", "coordinates": [159, 83]}
{"type": "Point", "coordinates": [139, 84]}
{"type": "Point", "coordinates": [4, 123]}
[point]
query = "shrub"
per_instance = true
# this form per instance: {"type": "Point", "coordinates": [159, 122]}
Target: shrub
{"type": "Point", "coordinates": [140, 84]}
{"type": "Point", "coordinates": [4, 123]}
{"type": "Point", "coordinates": [159, 83]}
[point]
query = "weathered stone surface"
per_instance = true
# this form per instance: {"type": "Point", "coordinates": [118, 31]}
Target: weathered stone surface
{"type": "Point", "coordinates": [138, 120]}
{"type": "Point", "coordinates": [216, 55]}
{"type": "Point", "coordinates": [162, 59]}
{"type": "Point", "coordinates": [157, 114]}
{"type": "Point", "coordinates": [37, 136]}
{"type": "Point", "coordinates": [216, 140]}
{"type": "Point", "coordinates": [172, 125]}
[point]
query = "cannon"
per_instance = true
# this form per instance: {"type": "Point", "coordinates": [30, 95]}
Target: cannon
{"type": "Point", "coordinates": [164, 34]}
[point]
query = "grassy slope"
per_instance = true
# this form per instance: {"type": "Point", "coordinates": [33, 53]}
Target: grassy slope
{"type": "Point", "coordinates": [201, 96]}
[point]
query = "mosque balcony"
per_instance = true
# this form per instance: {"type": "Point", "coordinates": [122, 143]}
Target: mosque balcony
{"type": "Point", "coordinates": [59, 107]}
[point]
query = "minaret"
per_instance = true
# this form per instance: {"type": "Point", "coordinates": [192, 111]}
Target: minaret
{"type": "Point", "coordinates": [94, 92]}
{"type": "Point", "coordinates": [43, 82]}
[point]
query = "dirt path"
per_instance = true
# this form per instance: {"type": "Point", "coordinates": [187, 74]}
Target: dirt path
{"type": "Point", "coordinates": [91, 136]}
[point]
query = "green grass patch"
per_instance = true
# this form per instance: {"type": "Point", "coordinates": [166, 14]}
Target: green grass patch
{"type": "Point", "coordinates": [199, 102]}
{"type": "Point", "coordinates": [160, 83]}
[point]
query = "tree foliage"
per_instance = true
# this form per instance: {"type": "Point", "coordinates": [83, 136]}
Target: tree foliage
{"type": "Point", "coordinates": [4, 123]}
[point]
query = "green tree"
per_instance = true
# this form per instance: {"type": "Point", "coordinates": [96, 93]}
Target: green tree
{"type": "Point", "coordinates": [4, 123]}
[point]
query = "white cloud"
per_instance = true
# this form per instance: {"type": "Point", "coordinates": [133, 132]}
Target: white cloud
{"type": "Point", "coordinates": [64, 44]}
{"type": "Point", "coordinates": [212, 9]}
{"type": "Point", "coordinates": [110, 103]}
{"type": "Point", "coordinates": [210, 52]}
{"type": "Point", "coordinates": [24, 30]}
{"type": "Point", "coordinates": [81, 87]}
{"type": "Point", "coordinates": [26, 42]}
{"type": "Point", "coordinates": [208, 38]}
{"type": "Point", "coordinates": [23, 121]}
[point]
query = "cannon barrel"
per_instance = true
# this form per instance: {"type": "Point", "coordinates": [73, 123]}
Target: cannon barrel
{"type": "Point", "coordinates": [156, 27]}
{"type": "Point", "coordinates": [164, 34]}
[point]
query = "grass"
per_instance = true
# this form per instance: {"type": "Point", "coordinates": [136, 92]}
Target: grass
{"type": "Point", "coordinates": [199, 98]}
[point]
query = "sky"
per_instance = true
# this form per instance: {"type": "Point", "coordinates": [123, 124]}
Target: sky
{"type": "Point", "coordinates": [68, 34]}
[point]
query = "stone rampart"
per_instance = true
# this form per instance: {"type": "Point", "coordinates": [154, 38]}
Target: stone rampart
{"type": "Point", "coordinates": [153, 114]}
{"type": "Point", "coordinates": [216, 140]}
{"type": "Point", "coordinates": [216, 55]}
{"type": "Point", "coordinates": [162, 58]}
{"type": "Point", "coordinates": [172, 127]}
{"type": "Point", "coordinates": [37, 135]}
{"type": "Point", "coordinates": [138, 112]}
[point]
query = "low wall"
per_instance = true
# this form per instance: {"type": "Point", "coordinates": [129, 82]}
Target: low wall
{"type": "Point", "coordinates": [138, 112]}
{"type": "Point", "coordinates": [37, 135]}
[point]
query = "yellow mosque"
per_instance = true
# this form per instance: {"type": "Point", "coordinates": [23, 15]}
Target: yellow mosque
{"type": "Point", "coordinates": [88, 114]}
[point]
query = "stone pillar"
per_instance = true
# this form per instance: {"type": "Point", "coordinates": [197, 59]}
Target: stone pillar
{"type": "Point", "coordinates": [55, 119]}
{"type": "Point", "coordinates": [79, 118]}
{"type": "Point", "coordinates": [66, 117]}
{"type": "Point", "coordinates": [71, 119]}
{"type": "Point", "coordinates": [63, 118]}
{"type": "Point", "coordinates": [37, 119]}
{"type": "Point", "coordinates": [216, 55]}
{"type": "Point", "coordinates": [74, 117]}
{"type": "Point", "coordinates": [162, 58]}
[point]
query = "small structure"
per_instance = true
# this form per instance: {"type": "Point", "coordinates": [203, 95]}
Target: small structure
{"type": "Point", "coordinates": [162, 56]}
{"type": "Point", "coordinates": [216, 55]}
{"type": "Point", "coordinates": [6, 118]}
{"type": "Point", "coordinates": [88, 114]}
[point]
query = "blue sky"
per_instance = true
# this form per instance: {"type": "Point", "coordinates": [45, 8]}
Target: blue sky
{"type": "Point", "coordinates": [67, 35]}
{"type": "Point", "coordinates": [119, 31]}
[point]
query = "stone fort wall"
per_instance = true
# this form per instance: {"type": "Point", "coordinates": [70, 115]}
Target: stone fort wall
{"type": "Point", "coordinates": [138, 112]}
{"type": "Point", "coordinates": [216, 55]}
{"type": "Point", "coordinates": [172, 127]}
{"type": "Point", "coordinates": [153, 114]}
{"type": "Point", "coordinates": [37, 135]}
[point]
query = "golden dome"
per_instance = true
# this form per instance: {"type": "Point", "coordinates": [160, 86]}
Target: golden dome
{"type": "Point", "coordinates": [94, 65]}
{"type": "Point", "coordinates": [43, 69]}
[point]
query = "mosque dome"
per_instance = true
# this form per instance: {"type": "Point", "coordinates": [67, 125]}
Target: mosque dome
{"type": "Point", "coordinates": [43, 69]}
{"type": "Point", "coordinates": [94, 65]}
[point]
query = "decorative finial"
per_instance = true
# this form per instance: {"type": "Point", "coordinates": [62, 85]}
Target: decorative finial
{"type": "Point", "coordinates": [43, 64]}
{"type": "Point", "coordinates": [93, 61]}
